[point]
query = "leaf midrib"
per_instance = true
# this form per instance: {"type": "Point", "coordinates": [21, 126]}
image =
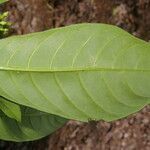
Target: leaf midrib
{"type": "Point", "coordinates": [74, 70]}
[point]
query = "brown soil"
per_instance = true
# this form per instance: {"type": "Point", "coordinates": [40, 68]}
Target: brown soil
{"type": "Point", "coordinates": [132, 133]}
{"type": "Point", "coordinates": [37, 15]}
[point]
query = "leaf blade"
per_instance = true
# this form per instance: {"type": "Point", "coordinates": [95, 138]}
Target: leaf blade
{"type": "Point", "coordinates": [34, 125]}
{"type": "Point", "coordinates": [3, 1]}
{"type": "Point", "coordinates": [10, 109]}
{"type": "Point", "coordinates": [62, 68]}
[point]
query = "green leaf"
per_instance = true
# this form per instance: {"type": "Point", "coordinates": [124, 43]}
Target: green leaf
{"type": "Point", "coordinates": [34, 125]}
{"type": "Point", "coordinates": [10, 109]}
{"type": "Point", "coordinates": [3, 1]}
{"type": "Point", "coordinates": [81, 72]}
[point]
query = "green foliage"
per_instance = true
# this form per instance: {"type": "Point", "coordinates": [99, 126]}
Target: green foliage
{"type": "Point", "coordinates": [10, 109]}
{"type": "Point", "coordinates": [82, 72]}
{"type": "Point", "coordinates": [34, 125]}
{"type": "Point", "coordinates": [4, 25]}
{"type": "Point", "coordinates": [3, 1]}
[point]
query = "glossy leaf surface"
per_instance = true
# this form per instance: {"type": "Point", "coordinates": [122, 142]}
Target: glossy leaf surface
{"type": "Point", "coordinates": [10, 109]}
{"type": "Point", "coordinates": [34, 125]}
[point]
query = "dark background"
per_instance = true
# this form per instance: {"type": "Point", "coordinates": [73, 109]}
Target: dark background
{"type": "Point", "coordinates": [132, 133]}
